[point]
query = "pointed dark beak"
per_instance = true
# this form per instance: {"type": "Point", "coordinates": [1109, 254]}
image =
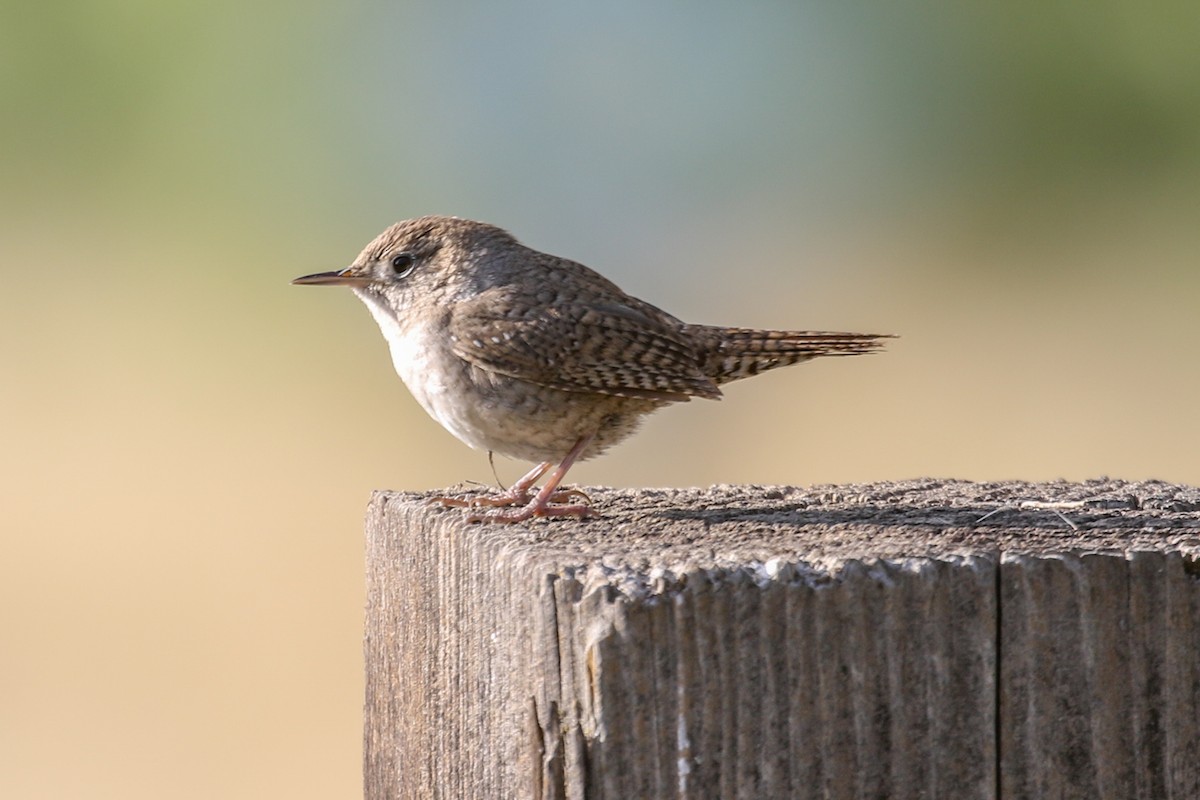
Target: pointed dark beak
{"type": "Point", "coordinates": [345, 277]}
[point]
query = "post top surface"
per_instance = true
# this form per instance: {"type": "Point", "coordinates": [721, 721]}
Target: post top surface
{"type": "Point", "coordinates": [922, 518]}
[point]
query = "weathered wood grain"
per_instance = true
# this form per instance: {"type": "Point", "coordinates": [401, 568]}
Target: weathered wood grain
{"type": "Point", "coordinates": [891, 640]}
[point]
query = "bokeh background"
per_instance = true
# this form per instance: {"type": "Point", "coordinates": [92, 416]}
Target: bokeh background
{"type": "Point", "coordinates": [188, 442]}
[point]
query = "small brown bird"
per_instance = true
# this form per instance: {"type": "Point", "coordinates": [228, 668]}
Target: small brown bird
{"type": "Point", "coordinates": [540, 358]}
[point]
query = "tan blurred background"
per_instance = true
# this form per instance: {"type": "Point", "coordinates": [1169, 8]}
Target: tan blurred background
{"type": "Point", "coordinates": [188, 442]}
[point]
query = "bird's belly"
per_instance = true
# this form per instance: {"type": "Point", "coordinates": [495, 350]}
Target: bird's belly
{"type": "Point", "coordinates": [491, 411]}
{"type": "Point", "coordinates": [433, 377]}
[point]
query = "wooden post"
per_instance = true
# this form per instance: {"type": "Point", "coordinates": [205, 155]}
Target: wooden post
{"type": "Point", "coordinates": [892, 640]}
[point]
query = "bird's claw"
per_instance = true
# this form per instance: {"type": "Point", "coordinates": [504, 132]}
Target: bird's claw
{"type": "Point", "coordinates": [559, 504]}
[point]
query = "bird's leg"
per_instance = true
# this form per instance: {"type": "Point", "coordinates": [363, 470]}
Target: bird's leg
{"type": "Point", "coordinates": [541, 504]}
{"type": "Point", "coordinates": [515, 495]}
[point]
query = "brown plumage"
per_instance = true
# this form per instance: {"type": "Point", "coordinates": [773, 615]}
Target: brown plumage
{"type": "Point", "coordinates": [540, 358]}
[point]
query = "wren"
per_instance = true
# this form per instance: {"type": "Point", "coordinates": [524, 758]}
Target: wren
{"type": "Point", "coordinates": [539, 358]}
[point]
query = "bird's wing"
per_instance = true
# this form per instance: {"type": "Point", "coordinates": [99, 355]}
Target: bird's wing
{"type": "Point", "coordinates": [607, 347]}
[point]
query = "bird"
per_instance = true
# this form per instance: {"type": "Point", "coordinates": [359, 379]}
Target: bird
{"type": "Point", "coordinates": [539, 358]}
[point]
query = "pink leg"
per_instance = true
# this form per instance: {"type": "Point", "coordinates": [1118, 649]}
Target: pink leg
{"type": "Point", "coordinates": [517, 494]}
{"type": "Point", "coordinates": [540, 505]}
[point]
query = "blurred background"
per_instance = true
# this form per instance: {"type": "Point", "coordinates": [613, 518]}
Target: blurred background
{"type": "Point", "coordinates": [187, 442]}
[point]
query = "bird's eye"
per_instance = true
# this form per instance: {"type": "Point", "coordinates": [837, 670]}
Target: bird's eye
{"type": "Point", "coordinates": [402, 264]}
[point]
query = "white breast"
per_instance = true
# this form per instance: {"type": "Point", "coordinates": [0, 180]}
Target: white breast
{"type": "Point", "coordinates": [432, 374]}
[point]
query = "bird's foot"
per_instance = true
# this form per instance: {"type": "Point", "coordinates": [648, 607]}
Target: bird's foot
{"type": "Point", "coordinates": [508, 498]}
{"type": "Point", "coordinates": [550, 501]}
{"type": "Point", "coordinates": [538, 507]}
{"type": "Point", "coordinates": [518, 494]}
{"type": "Point", "coordinates": [522, 505]}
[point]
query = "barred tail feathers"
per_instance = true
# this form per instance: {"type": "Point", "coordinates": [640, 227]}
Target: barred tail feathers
{"type": "Point", "coordinates": [729, 354]}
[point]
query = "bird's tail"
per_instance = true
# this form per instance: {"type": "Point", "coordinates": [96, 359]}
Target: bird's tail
{"type": "Point", "coordinates": [732, 353]}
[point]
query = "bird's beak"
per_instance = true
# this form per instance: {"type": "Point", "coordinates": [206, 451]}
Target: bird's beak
{"type": "Point", "coordinates": [345, 277]}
